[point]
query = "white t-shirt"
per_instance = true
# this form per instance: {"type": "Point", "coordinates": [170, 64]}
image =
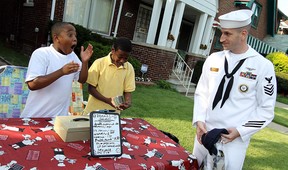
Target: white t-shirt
{"type": "Point", "coordinates": [54, 99]}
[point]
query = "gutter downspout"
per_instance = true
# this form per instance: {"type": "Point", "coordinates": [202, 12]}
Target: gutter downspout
{"type": "Point", "coordinates": [52, 10]}
{"type": "Point", "coordinates": [274, 18]}
{"type": "Point", "coordinates": [118, 18]}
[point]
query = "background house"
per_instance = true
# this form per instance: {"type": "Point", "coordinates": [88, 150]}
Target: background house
{"type": "Point", "coordinates": [146, 22]}
{"type": "Point", "coordinates": [193, 24]}
{"type": "Point", "coordinates": [280, 40]}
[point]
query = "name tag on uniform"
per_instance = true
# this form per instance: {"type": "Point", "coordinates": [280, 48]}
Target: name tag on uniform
{"type": "Point", "coordinates": [214, 69]}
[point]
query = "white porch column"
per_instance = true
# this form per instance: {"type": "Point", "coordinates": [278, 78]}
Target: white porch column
{"type": "Point", "coordinates": [154, 21]}
{"type": "Point", "coordinates": [193, 35]}
{"type": "Point", "coordinates": [177, 21]}
{"type": "Point", "coordinates": [207, 34]}
{"type": "Point", "coordinates": [199, 31]}
{"type": "Point", "coordinates": [169, 7]}
{"type": "Point", "coordinates": [118, 18]}
{"type": "Point", "coordinates": [209, 45]}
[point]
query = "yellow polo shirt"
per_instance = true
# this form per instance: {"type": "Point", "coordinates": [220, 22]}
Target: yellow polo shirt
{"type": "Point", "coordinates": [110, 81]}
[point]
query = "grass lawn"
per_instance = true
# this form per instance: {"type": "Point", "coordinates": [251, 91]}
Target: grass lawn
{"type": "Point", "coordinates": [167, 110]}
{"type": "Point", "coordinates": [281, 116]}
{"type": "Point", "coordinates": [282, 99]}
{"type": "Point", "coordinates": [172, 112]}
{"type": "Point", "coordinates": [14, 57]}
{"type": "Point", "coordinates": [267, 151]}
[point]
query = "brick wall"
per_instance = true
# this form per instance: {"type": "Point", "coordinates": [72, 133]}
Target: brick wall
{"type": "Point", "coordinates": [21, 21]}
{"type": "Point", "coordinates": [127, 24]}
{"type": "Point", "coordinates": [37, 16]}
{"type": "Point", "coordinates": [8, 8]}
{"type": "Point", "coordinates": [159, 60]}
{"type": "Point", "coordinates": [32, 17]}
{"type": "Point", "coordinates": [59, 10]}
{"type": "Point", "coordinates": [191, 59]}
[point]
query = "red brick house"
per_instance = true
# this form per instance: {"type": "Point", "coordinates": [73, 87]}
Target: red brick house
{"type": "Point", "coordinates": [24, 25]}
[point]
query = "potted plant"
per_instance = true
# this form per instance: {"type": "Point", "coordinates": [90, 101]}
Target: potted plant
{"type": "Point", "coordinates": [170, 39]}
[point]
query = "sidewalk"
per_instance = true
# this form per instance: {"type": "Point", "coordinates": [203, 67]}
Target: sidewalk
{"type": "Point", "coordinates": [281, 105]}
{"type": "Point", "coordinates": [277, 127]}
{"type": "Point", "coordinates": [3, 61]}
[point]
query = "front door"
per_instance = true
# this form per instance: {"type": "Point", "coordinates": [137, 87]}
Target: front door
{"type": "Point", "coordinates": [185, 36]}
{"type": "Point", "coordinates": [142, 23]}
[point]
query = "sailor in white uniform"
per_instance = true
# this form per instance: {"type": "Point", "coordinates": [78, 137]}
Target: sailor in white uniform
{"type": "Point", "coordinates": [236, 91]}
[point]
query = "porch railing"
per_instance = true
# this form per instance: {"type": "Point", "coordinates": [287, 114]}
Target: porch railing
{"type": "Point", "coordinates": [183, 72]}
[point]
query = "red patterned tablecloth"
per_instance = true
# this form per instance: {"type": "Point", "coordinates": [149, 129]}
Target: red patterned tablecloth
{"type": "Point", "coordinates": [32, 144]}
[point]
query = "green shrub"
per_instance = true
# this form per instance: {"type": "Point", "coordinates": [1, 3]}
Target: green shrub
{"type": "Point", "coordinates": [136, 64]}
{"type": "Point", "coordinates": [163, 84]}
{"type": "Point", "coordinates": [83, 35]}
{"type": "Point", "coordinates": [99, 50]}
{"type": "Point", "coordinates": [104, 41]}
{"type": "Point", "coordinates": [197, 71]}
{"type": "Point", "coordinates": [282, 83]}
{"type": "Point", "coordinates": [279, 60]}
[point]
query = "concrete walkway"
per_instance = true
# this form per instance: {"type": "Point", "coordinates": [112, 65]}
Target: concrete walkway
{"type": "Point", "coordinates": [281, 105]}
{"type": "Point", "coordinates": [3, 61]}
{"type": "Point", "coordinates": [277, 127]}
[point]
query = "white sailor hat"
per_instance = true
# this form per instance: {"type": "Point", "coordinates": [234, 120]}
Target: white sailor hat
{"type": "Point", "coordinates": [236, 19]}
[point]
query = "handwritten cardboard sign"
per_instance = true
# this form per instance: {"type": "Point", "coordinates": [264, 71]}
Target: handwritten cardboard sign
{"type": "Point", "coordinates": [105, 134]}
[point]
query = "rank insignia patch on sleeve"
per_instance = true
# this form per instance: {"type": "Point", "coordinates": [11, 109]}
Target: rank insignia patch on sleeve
{"type": "Point", "coordinates": [269, 88]}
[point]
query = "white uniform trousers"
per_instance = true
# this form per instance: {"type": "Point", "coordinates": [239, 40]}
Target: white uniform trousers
{"type": "Point", "coordinates": [234, 153]}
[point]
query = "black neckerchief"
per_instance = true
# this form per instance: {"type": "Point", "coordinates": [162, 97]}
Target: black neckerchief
{"type": "Point", "coordinates": [219, 92]}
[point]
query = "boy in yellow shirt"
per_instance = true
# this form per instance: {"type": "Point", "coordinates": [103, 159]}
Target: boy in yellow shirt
{"type": "Point", "coordinates": [111, 76]}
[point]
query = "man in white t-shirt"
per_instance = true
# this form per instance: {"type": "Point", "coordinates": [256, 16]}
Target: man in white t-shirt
{"type": "Point", "coordinates": [51, 71]}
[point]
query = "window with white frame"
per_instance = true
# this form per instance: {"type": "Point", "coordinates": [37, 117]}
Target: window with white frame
{"type": "Point", "coordinates": [218, 44]}
{"type": "Point", "coordinates": [29, 3]}
{"type": "Point", "coordinates": [256, 8]}
{"type": "Point", "coordinates": [95, 15]}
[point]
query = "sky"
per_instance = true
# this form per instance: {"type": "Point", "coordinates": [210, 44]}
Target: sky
{"type": "Point", "coordinates": [283, 6]}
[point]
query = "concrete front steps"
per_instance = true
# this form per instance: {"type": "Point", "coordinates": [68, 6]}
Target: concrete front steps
{"type": "Point", "coordinates": [178, 86]}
